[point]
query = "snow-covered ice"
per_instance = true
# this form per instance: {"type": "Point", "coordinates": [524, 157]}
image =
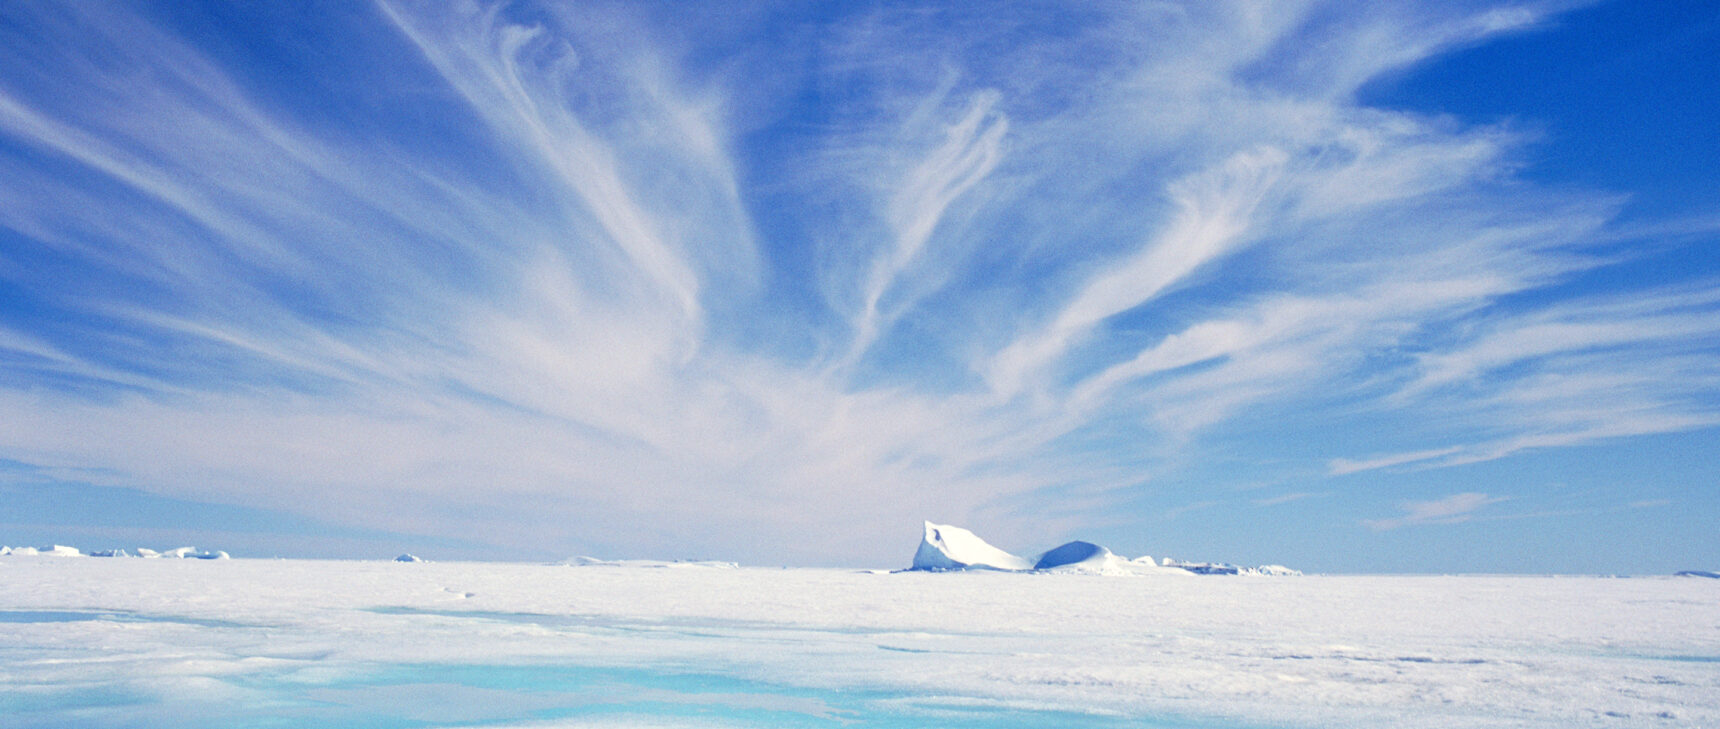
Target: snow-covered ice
{"type": "Point", "coordinates": [59, 550]}
{"type": "Point", "coordinates": [945, 548]}
{"type": "Point", "coordinates": [56, 550]}
{"type": "Point", "coordinates": [183, 643]}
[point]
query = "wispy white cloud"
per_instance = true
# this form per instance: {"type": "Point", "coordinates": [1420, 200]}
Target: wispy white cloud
{"type": "Point", "coordinates": [1342, 466]}
{"type": "Point", "coordinates": [633, 308]}
{"type": "Point", "coordinates": [1454, 509]}
{"type": "Point", "coordinates": [1288, 498]}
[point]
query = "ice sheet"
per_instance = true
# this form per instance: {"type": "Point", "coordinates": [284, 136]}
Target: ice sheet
{"type": "Point", "coordinates": [104, 643]}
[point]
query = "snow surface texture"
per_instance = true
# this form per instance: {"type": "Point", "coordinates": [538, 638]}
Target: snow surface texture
{"type": "Point", "coordinates": [945, 548]}
{"type": "Point", "coordinates": [108, 643]}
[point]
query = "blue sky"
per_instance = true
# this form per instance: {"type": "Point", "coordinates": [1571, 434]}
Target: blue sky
{"type": "Point", "coordinates": [1421, 287]}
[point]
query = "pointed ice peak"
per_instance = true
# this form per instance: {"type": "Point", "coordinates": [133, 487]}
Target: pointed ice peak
{"type": "Point", "coordinates": [945, 547]}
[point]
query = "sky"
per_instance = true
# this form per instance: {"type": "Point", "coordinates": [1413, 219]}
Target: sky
{"type": "Point", "coordinates": [1383, 287]}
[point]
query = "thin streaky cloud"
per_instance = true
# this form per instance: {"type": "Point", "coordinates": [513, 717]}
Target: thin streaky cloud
{"type": "Point", "coordinates": [766, 292]}
{"type": "Point", "coordinates": [1342, 466]}
{"type": "Point", "coordinates": [1453, 509]}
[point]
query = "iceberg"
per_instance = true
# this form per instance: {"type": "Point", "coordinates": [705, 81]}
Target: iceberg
{"type": "Point", "coordinates": [1091, 559]}
{"type": "Point", "coordinates": [1697, 573]}
{"type": "Point", "coordinates": [408, 558]}
{"type": "Point", "coordinates": [55, 550]}
{"type": "Point", "coordinates": [1074, 553]}
{"type": "Point", "coordinates": [1222, 568]}
{"type": "Point", "coordinates": [188, 553]}
{"type": "Point", "coordinates": [60, 550]}
{"type": "Point", "coordinates": [944, 547]}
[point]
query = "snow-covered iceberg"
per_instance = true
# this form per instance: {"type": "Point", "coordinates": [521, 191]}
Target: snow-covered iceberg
{"type": "Point", "coordinates": [55, 550]}
{"type": "Point", "coordinates": [1092, 559]}
{"type": "Point", "coordinates": [60, 550]}
{"type": "Point", "coordinates": [409, 558]}
{"type": "Point", "coordinates": [181, 553]}
{"type": "Point", "coordinates": [945, 547]}
{"type": "Point", "coordinates": [1222, 568]}
{"type": "Point", "coordinates": [1073, 554]}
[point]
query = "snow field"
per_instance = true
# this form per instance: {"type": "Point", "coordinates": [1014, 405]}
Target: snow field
{"type": "Point", "coordinates": [103, 640]}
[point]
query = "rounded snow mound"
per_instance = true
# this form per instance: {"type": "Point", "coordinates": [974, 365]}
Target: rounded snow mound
{"type": "Point", "coordinates": [1091, 559]}
{"type": "Point", "coordinates": [409, 558]}
{"type": "Point", "coordinates": [1074, 553]}
{"type": "Point", "coordinates": [945, 547]}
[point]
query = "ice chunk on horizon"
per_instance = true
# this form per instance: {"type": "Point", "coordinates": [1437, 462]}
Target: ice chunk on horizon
{"type": "Point", "coordinates": [1073, 553]}
{"type": "Point", "coordinates": [55, 550]}
{"type": "Point", "coordinates": [1697, 573]}
{"type": "Point", "coordinates": [409, 558]}
{"type": "Point", "coordinates": [1222, 568]}
{"type": "Point", "coordinates": [948, 548]}
{"type": "Point", "coordinates": [190, 553]}
{"type": "Point", "coordinates": [945, 547]}
{"type": "Point", "coordinates": [60, 550]}
{"type": "Point", "coordinates": [1089, 558]}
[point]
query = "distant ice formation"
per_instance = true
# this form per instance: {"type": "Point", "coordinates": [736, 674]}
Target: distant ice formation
{"type": "Point", "coordinates": [1698, 573]}
{"type": "Point", "coordinates": [408, 558]}
{"type": "Point", "coordinates": [58, 550]}
{"type": "Point", "coordinates": [190, 553]}
{"type": "Point", "coordinates": [1221, 568]}
{"type": "Point", "coordinates": [51, 551]}
{"type": "Point", "coordinates": [946, 548]}
{"type": "Point", "coordinates": [1072, 554]}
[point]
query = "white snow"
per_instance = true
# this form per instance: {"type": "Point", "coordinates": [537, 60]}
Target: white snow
{"type": "Point", "coordinates": [945, 547]}
{"type": "Point", "coordinates": [189, 647]}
